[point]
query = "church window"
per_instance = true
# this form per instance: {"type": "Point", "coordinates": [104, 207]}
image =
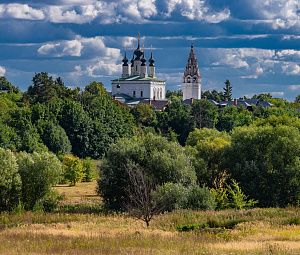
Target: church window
{"type": "Point", "coordinates": [142, 93]}
{"type": "Point", "coordinates": [160, 93]}
{"type": "Point", "coordinates": [189, 79]}
{"type": "Point", "coordinates": [134, 93]}
{"type": "Point", "coordinates": [195, 79]}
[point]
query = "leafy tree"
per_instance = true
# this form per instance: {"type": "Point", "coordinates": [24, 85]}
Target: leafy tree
{"type": "Point", "coordinates": [144, 115]}
{"type": "Point", "coordinates": [174, 95]}
{"type": "Point", "coordinates": [205, 114]}
{"type": "Point", "coordinates": [208, 150]}
{"type": "Point", "coordinates": [39, 172]}
{"type": "Point", "coordinates": [55, 137]}
{"type": "Point", "coordinates": [89, 170]}
{"type": "Point", "coordinates": [213, 95]}
{"type": "Point", "coordinates": [200, 199]}
{"type": "Point", "coordinates": [163, 161]}
{"type": "Point", "coordinates": [231, 117]}
{"type": "Point", "coordinates": [265, 161]}
{"type": "Point", "coordinates": [10, 181]}
{"type": "Point", "coordinates": [5, 85]}
{"type": "Point", "coordinates": [178, 118]}
{"type": "Point", "coordinates": [297, 99]}
{"type": "Point", "coordinates": [73, 169]}
{"type": "Point", "coordinates": [227, 91]}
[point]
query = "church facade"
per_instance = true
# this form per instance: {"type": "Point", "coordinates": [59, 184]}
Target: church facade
{"type": "Point", "coordinates": [191, 85]}
{"type": "Point", "coordinates": [138, 81]}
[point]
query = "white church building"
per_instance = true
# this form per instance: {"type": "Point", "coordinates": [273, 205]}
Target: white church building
{"type": "Point", "coordinates": [139, 82]}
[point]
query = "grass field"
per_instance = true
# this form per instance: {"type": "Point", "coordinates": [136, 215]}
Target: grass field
{"type": "Point", "coordinates": [72, 230]}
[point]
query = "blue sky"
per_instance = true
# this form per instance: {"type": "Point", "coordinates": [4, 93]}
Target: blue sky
{"type": "Point", "coordinates": [253, 43]}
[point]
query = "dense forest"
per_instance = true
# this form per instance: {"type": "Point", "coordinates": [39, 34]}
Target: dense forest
{"type": "Point", "coordinates": [196, 156]}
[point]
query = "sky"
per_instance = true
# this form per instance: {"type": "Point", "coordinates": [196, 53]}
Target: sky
{"type": "Point", "coordinates": [253, 43]}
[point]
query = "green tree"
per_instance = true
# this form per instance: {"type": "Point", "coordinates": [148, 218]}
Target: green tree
{"type": "Point", "coordinates": [204, 113]}
{"type": "Point", "coordinates": [163, 161]}
{"type": "Point", "coordinates": [10, 181]}
{"type": "Point", "coordinates": [227, 91]}
{"type": "Point", "coordinates": [73, 169]}
{"type": "Point", "coordinates": [213, 95]}
{"type": "Point", "coordinates": [265, 161]}
{"type": "Point", "coordinates": [39, 172]}
{"type": "Point", "coordinates": [144, 115]}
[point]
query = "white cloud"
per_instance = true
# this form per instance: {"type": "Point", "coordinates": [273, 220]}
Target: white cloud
{"type": "Point", "coordinates": [2, 71]}
{"type": "Point", "coordinates": [80, 47]}
{"type": "Point", "coordinates": [283, 13]}
{"type": "Point", "coordinates": [294, 87]}
{"type": "Point", "coordinates": [21, 11]}
{"type": "Point", "coordinates": [291, 69]}
{"type": "Point", "coordinates": [66, 48]}
{"type": "Point", "coordinates": [196, 10]}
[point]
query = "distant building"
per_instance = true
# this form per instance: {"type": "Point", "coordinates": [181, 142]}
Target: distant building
{"type": "Point", "coordinates": [191, 86]}
{"type": "Point", "coordinates": [137, 84]}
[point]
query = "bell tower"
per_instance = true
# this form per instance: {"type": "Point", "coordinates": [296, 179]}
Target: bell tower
{"type": "Point", "coordinates": [191, 86]}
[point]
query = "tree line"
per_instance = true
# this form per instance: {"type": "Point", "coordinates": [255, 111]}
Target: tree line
{"type": "Point", "coordinates": [196, 156]}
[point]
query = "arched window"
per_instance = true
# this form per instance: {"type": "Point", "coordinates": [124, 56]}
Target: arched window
{"type": "Point", "coordinates": [160, 92]}
{"type": "Point", "coordinates": [157, 93]}
{"type": "Point", "coordinates": [154, 92]}
{"type": "Point", "coordinates": [195, 79]}
{"type": "Point", "coordinates": [188, 79]}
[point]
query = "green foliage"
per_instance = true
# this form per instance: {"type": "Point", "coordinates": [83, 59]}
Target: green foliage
{"type": "Point", "coordinates": [200, 199]}
{"type": "Point", "coordinates": [178, 118]}
{"type": "Point", "coordinates": [162, 160]}
{"type": "Point", "coordinates": [227, 91]}
{"type": "Point", "coordinates": [39, 172]}
{"type": "Point", "coordinates": [207, 154]}
{"type": "Point", "coordinates": [213, 95]}
{"type": "Point", "coordinates": [10, 181]}
{"type": "Point", "coordinates": [89, 170]}
{"type": "Point", "coordinates": [231, 117]}
{"type": "Point", "coordinates": [232, 196]}
{"type": "Point", "coordinates": [265, 161]}
{"type": "Point", "coordinates": [172, 195]}
{"type": "Point", "coordinates": [144, 115]}
{"type": "Point", "coordinates": [73, 169]}
{"type": "Point", "coordinates": [204, 113]}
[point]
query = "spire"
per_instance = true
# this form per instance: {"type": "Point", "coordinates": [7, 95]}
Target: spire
{"type": "Point", "coordinates": [151, 60]}
{"type": "Point", "coordinates": [192, 67]}
{"type": "Point", "coordinates": [143, 60]}
{"type": "Point", "coordinates": [138, 52]}
{"type": "Point", "coordinates": [125, 60]}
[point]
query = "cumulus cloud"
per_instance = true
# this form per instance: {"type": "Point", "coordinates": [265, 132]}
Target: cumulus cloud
{"type": "Point", "coordinates": [2, 71]}
{"type": "Point", "coordinates": [291, 69]}
{"type": "Point", "coordinates": [294, 87]}
{"type": "Point", "coordinates": [195, 10]}
{"type": "Point", "coordinates": [80, 47]}
{"type": "Point", "coordinates": [21, 11]}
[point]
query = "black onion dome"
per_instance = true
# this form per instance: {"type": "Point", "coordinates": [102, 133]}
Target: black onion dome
{"type": "Point", "coordinates": [143, 60]}
{"type": "Point", "coordinates": [125, 60]}
{"type": "Point", "coordinates": [151, 60]}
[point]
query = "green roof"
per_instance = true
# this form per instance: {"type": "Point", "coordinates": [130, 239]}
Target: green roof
{"type": "Point", "coordinates": [138, 78]}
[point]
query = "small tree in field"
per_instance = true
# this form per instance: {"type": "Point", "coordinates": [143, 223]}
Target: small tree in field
{"type": "Point", "coordinates": [142, 203]}
{"type": "Point", "coordinates": [73, 169]}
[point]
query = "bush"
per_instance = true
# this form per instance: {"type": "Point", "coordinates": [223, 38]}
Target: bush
{"type": "Point", "coordinates": [200, 199]}
{"type": "Point", "coordinates": [39, 172]}
{"type": "Point", "coordinates": [89, 170]}
{"type": "Point", "coordinates": [172, 195]}
{"type": "Point", "coordinates": [50, 201]}
{"type": "Point", "coordinates": [10, 181]}
{"type": "Point", "coordinates": [73, 169]}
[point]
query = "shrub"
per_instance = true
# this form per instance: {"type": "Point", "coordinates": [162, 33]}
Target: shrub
{"type": "Point", "coordinates": [10, 181]}
{"type": "Point", "coordinates": [73, 169]}
{"type": "Point", "coordinates": [172, 195]}
{"type": "Point", "coordinates": [39, 172]}
{"type": "Point", "coordinates": [232, 196]}
{"type": "Point", "coordinates": [200, 198]}
{"type": "Point", "coordinates": [89, 170]}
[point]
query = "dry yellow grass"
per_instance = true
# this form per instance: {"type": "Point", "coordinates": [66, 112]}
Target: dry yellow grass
{"type": "Point", "coordinates": [265, 231]}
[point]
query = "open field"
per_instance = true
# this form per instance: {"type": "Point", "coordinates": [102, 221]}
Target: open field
{"type": "Point", "coordinates": [258, 231]}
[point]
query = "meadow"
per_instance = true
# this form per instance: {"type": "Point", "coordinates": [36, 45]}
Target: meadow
{"type": "Point", "coordinates": [81, 226]}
